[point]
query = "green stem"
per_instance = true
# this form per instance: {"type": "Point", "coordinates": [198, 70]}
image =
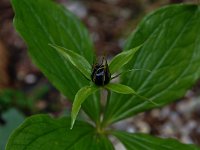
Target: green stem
{"type": "Point", "coordinates": [98, 122]}
{"type": "Point", "coordinates": [103, 122]}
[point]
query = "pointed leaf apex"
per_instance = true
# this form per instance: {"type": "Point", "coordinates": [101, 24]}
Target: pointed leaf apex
{"type": "Point", "coordinates": [72, 124]}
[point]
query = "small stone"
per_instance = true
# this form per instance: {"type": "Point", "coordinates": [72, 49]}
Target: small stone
{"type": "Point", "coordinates": [183, 107]}
{"type": "Point", "coordinates": [143, 127]}
{"type": "Point", "coordinates": [164, 113]}
{"type": "Point", "coordinates": [131, 129]}
{"type": "Point", "coordinates": [119, 146]}
{"type": "Point", "coordinates": [155, 113]}
{"type": "Point", "coordinates": [167, 129]}
{"type": "Point", "coordinates": [122, 125]}
{"type": "Point", "coordinates": [30, 78]}
{"type": "Point", "coordinates": [186, 139]}
{"type": "Point", "coordinates": [77, 8]}
{"type": "Point", "coordinates": [191, 125]}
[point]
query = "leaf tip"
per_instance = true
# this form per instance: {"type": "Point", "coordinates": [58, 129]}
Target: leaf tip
{"type": "Point", "coordinates": [72, 124]}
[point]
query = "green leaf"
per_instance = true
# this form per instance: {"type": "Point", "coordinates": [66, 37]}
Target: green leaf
{"type": "Point", "coordinates": [123, 89]}
{"type": "Point", "coordinates": [171, 50]}
{"type": "Point", "coordinates": [77, 60]}
{"type": "Point", "coordinates": [12, 119]}
{"type": "Point", "coordinates": [120, 88]}
{"type": "Point", "coordinates": [43, 22]}
{"type": "Point", "coordinates": [139, 141]}
{"type": "Point", "coordinates": [80, 97]}
{"type": "Point", "coordinates": [42, 132]}
{"type": "Point", "coordinates": [121, 59]}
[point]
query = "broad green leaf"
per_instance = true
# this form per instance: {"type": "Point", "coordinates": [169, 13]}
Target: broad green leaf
{"type": "Point", "coordinates": [80, 97]}
{"type": "Point", "coordinates": [41, 132]}
{"type": "Point", "coordinates": [138, 141]}
{"type": "Point", "coordinates": [43, 22]}
{"type": "Point", "coordinates": [171, 50]}
{"type": "Point", "coordinates": [12, 119]}
{"type": "Point", "coordinates": [121, 59]}
{"type": "Point", "coordinates": [77, 60]}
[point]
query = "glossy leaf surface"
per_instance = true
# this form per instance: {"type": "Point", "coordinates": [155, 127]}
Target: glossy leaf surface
{"type": "Point", "coordinates": [42, 22]}
{"type": "Point", "coordinates": [171, 50]}
{"type": "Point", "coordinates": [139, 141]}
{"type": "Point", "coordinates": [42, 132]}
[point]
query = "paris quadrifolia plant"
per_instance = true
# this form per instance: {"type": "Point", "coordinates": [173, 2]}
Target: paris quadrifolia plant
{"type": "Point", "coordinates": [100, 75]}
{"type": "Point", "coordinates": [158, 64]}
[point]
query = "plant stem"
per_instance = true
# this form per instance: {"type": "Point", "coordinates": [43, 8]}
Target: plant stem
{"type": "Point", "coordinates": [103, 122]}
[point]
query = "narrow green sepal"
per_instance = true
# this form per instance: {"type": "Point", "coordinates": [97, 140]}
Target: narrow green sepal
{"type": "Point", "coordinates": [124, 89]}
{"type": "Point", "coordinates": [80, 97]}
{"type": "Point", "coordinates": [121, 59]}
{"type": "Point", "coordinates": [77, 60]}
